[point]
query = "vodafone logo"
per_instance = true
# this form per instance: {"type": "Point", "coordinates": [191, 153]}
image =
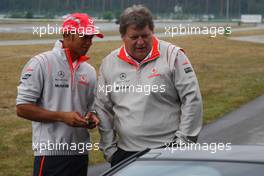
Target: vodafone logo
{"type": "Point", "coordinates": [154, 73]}
{"type": "Point", "coordinates": [83, 79]}
{"type": "Point", "coordinates": [154, 70]}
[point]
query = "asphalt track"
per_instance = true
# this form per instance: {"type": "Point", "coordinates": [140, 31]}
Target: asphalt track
{"type": "Point", "coordinates": [242, 126]}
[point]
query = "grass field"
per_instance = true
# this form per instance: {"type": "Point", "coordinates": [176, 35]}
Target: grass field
{"type": "Point", "coordinates": [230, 74]}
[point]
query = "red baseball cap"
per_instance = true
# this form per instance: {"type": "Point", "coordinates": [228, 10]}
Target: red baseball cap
{"type": "Point", "coordinates": [80, 23]}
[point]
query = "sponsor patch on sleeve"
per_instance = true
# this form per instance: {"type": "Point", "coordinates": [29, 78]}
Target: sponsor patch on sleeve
{"type": "Point", "coordinates": [188, 70]}
{"type": "Point", "coordinates": [26, 76]}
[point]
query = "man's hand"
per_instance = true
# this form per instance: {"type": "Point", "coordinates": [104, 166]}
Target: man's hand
{"type": "Point", "coordinates": [92, 120]}
{"type": "Point", "coordinates": [74, 119]}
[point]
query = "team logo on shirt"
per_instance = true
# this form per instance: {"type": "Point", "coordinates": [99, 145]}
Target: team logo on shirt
{"type": "Point", "coordinates": [123, 76]}
{"type": "Point", "coordinates": [61, 80]}
{"type": "Point", "coordinates": [28, 73]}
{"type": "Point", "coordinates": [188, 69]}
{"type": "Point", "coordinates": [61, 74]}
{"type": "Point", "coordinates": [154, 73]}
{"type": "Point", "coordinates": [26, 76]}
{"type": "Point", "coordinates": [154, 70]}
{"type": "Point", "coordinates": [83, 79]}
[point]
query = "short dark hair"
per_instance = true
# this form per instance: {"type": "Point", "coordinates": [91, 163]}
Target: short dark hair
{"type": "Point", "coordinates": [138, 15]}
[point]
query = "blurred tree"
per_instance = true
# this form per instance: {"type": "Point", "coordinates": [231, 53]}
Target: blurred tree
{"type": "Point", "coordinates": [108, 15]}
{"type": "Point", "coordinates": [29, 14]}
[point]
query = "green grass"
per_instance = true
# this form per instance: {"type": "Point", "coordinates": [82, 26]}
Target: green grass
{"type": "Point", "coordinates": [247, 33]}
{"type": "Point", "coordinates": [230, 74]}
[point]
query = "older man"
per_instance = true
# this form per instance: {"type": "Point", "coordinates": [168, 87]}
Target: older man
{"type": "Point", "coordinates": [148, 94]}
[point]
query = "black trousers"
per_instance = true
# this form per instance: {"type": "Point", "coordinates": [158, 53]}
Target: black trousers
{"type": "Point", "coordinates": [60, 165]}
{"type": "Point", "coordinates": [120, 155]}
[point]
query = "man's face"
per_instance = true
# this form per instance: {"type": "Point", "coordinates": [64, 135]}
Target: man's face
{"type": "Point", "coordinates": [138, 42]}
{"type": "Point", "coordinates": [80, 44]}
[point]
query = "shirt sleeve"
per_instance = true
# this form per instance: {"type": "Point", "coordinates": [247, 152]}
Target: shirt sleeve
{"type": "Point", "coordinates": [187, 86]}
{"type": "Point", "coordinates": [104, 108]}
{"type": "Point", "coordinates": [31, 83]}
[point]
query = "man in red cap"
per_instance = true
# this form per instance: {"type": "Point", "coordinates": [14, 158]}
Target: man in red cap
{"type": "Point", "coordinates": [56, 92]}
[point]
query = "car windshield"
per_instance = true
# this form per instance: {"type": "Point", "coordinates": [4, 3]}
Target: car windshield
{"type": "Point", "coordinates": [191, 168]}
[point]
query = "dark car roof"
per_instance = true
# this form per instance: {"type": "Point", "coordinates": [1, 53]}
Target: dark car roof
{"type": "Point", "coordinates": [238, 154]}
{"type": "Point", "coordinates": [245, 153]}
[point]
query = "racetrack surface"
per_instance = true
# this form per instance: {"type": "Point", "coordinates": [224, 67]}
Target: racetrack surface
{"type": "Point", "coordinates": [242, 126]}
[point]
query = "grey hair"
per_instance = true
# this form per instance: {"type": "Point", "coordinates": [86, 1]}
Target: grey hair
{"type": "Point", "coordinates": [137, 15]}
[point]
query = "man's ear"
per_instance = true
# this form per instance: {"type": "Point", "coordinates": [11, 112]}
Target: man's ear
{"type": "Point", "coordinates": [123, 37]}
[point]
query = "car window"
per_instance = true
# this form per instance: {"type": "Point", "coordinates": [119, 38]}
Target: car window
{"type": "Point", "coordinates": [190, 168]}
